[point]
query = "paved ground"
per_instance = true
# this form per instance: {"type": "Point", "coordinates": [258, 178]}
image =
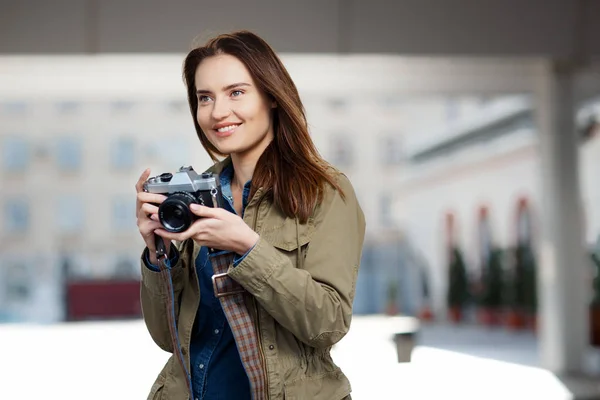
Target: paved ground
{"type": "Point", "coordinates": [118, 360]}
{"type": "Point", "coordinates": [519, 347]}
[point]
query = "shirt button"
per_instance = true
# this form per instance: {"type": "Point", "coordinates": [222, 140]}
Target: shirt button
{"type": "Point", "coordinates": [216, 331]}
{"type": "Point", "coordinates": [271, 347]}
{"type": "Point", "coordinates": [201, 366]}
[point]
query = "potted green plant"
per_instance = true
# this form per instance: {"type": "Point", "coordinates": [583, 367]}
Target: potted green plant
{"type": "Point", "coordinates": [530, 292]}
{"type": "Point", "coordinates": [425, 312]}
{"type": "Point", "coordinates": [457, 294]}
{"type": "Point", "coordinates": [391, 307]}
{"type": "Point", "coordinates": [491, 295]}
{"type": "Point", "coordinates": [514, 289]}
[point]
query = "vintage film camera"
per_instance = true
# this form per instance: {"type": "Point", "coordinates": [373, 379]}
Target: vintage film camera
{"type": "Point", "coordinates": [183, 188]}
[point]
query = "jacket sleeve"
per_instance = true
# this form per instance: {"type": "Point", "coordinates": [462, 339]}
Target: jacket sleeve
{"type": "Point", "coordinates": [314, 303]}
{"type": "Point", "coordinates": [154, 297]}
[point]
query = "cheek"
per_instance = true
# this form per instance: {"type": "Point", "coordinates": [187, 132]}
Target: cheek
{"type": "Point", "coordinates": [202, 117]}
{"type": "Point", "coordinates": [257, 114]}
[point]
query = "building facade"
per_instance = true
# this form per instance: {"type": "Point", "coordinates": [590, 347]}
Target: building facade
{"type": "Point", "coordinates": [77, 132]}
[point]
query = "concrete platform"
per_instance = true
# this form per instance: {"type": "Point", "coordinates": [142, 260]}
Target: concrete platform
{"type": "Point", "coordinates": [118, 360]}
{"type": "Point", "coordinates": [466, 362]}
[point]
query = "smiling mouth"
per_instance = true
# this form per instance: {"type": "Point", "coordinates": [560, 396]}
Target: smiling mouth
{"type": "Point", "coordinates": [228, 128]}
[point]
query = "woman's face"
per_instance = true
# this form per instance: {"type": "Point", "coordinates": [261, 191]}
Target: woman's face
{"type": "Point", "coordinates": [233, 113]}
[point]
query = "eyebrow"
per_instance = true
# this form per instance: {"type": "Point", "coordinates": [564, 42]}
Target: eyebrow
{"type": "Point", "coordinates": [228, 87]}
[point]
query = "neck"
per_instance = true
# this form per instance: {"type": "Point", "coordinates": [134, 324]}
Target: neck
{"type": "Point", "coordinates": [243, 168]}
{"type": "Point", "coordinates": [245, 163]}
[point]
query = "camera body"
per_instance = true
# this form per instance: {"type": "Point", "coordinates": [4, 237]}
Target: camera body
{"type": "Point", "coordinates": [182, 189]}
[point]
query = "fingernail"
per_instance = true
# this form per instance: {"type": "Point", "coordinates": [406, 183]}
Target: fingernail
{"type": "Point", "coordinates": [195, 207]}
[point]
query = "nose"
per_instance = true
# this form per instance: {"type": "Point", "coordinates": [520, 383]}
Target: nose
{"type": "Point", "coordinates": [221, 110]}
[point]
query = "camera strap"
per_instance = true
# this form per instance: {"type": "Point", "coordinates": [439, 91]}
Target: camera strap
{"type": "Point", "coordinates": [161, 251]}
{"type": "Point", "coordinates": [244, 327]}
{"type": "Point", "coordinates": [164, 265]}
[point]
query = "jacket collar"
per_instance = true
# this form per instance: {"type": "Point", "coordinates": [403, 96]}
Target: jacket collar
{"type": "Point", "coordinates": [218, 167]}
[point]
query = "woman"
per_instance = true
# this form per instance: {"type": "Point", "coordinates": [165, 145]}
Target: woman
{"type": "Point", "coordinates": [258, 319]}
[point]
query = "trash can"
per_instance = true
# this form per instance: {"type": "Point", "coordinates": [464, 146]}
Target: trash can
{"type": "Point", "coordinates": [405, 342]}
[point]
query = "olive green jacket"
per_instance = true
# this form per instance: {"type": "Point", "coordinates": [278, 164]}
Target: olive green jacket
{"type": "Point", "coordinates": [302, 277]}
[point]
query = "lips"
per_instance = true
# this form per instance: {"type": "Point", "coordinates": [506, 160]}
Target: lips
{"type": "Point", "coordinates": [226, 130]}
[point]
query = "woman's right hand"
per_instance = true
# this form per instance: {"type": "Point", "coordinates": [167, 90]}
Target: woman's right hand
{"type": "Point", "coordinates": [147, 216]}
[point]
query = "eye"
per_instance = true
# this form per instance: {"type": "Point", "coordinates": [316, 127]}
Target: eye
{"type": "Point", "coordinates": [236, 93]}
{"type": "Point", "coordinates": [203, 99]}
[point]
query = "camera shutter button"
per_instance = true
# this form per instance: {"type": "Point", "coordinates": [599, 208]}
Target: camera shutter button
{"type": "Point", "coordinates": [166, 177]}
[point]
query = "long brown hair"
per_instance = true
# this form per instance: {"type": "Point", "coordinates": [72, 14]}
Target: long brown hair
{"type": "Point", "coordinates": [290, 169]}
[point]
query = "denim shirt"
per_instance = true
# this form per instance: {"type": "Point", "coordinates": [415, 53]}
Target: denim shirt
{"type": "Point", "coordinates": [216, 369]}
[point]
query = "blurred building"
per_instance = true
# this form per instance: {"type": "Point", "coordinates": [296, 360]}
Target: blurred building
{"type": "Point", "coordinates": [75, 140]}
{"type": "Point", "coordinates": [482, 171]}
{"type": "Point", "coordinates": [70, 158]}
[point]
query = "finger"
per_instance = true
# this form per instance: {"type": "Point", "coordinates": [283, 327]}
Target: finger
{"type": "Point", "coordinates": [148, 227]}
{"type": "Point", "coordinates": [149, 208]}
{"type": "Point", "coordinates": [207, 212]}
{"type": "Point", "coordinates": [139, 186]}
{"type": "Point", "coordinates": [181, 236]}
{"type": "Point", "coordinates": [145, 197]}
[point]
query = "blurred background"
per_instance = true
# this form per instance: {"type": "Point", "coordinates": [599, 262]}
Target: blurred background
{"type": "Point", "coordinates": [471, 133]}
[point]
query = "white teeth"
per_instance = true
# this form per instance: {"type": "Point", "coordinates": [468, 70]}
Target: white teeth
{"type": "Point", "coordinates": [227, 128]}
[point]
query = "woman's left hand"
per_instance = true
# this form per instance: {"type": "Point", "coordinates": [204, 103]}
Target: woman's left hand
{"type": "Point", "coordinates": [216, 228]}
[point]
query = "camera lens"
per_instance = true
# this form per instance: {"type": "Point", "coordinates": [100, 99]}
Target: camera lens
{"type": "Point", "coordinates": [174, 213]}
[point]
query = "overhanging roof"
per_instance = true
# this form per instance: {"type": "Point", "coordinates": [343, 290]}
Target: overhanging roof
{"type": "Point", "coordinates": [563, 29]}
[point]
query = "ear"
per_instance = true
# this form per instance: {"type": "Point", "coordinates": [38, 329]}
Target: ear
{"type": "Point", "coordinates": [273, 104]}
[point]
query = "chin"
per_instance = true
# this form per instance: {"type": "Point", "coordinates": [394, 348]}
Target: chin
{"type": "Point", "coordinates": [231, 148]}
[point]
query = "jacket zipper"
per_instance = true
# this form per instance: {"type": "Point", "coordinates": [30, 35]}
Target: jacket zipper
{"type": "Point", "coordinates": [260, 348]}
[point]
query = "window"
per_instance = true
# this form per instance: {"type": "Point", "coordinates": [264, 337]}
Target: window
{"type": "Point", "coordinates": [172, 151]}
{"type": "Point", "coordinates": [18, 283]}
{"type": "Point", "coordinates": [391, 150]}
{"type": "Point", "coordinates": [126, 268]}
{"type": "Point", "coordinates": [14, 107]}
{"type": "Point", "coordinates": [70, 214]}
{"type": "Point", "coordinates": [121, 106]}
{"type": "Point", "coordinates": [15, 154]}
{"type": "Point", "coordinates": [177, 106]}
{"type": "Point", "coordinates": [68, 154]}
{"type": "Point", "coordinates": [338, 105]}
{"type": "Point", "coordinates": [16, 216]}
{"type": "Point", "coordinates": [122, 153]}
{"type": "Point", "coordinates": [342, 152]}
{"type": "Point", "coordinates": [175, 151]}
{"type": "Point", "coordinates": [68, 107]}
{"type": "Point", "coordinates": [391, 102]}
{"type": "Point", "coordinates": [123, 211]}
{"type": "Point", "coordinates": [385, 210]}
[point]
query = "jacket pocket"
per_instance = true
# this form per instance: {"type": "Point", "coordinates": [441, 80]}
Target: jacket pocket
{"type": "Point", "coordinates": [286, 235]}
{"type": "Point", "coordinates": [330, 386]}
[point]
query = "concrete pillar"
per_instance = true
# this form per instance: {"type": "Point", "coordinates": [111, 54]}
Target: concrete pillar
{"type": "Point", "coordinates": [563, 279]}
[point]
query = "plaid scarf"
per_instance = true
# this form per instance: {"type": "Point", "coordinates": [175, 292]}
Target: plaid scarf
{"type": "Point", "coordinates": [233, 300]}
